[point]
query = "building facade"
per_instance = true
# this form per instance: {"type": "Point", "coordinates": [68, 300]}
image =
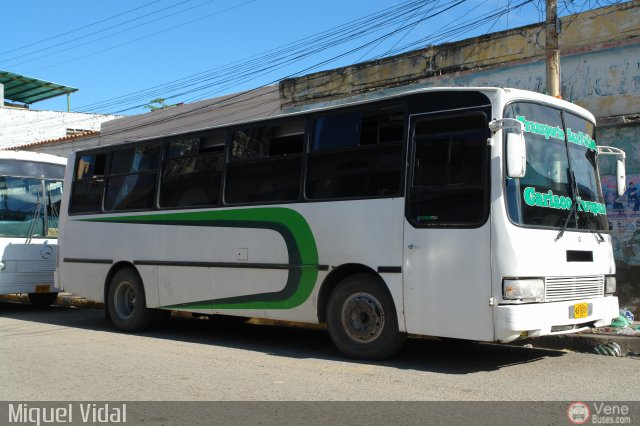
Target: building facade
{"type": "Point", "coordinates": [23, 126]}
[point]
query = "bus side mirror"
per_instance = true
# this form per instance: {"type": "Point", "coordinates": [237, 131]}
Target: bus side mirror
{"type": "Point", "coordinates": [621, 174]}
{"type": "Point", "coordinates": [516, 155]}
{"type": "Point", "coordinates": [621, 177]}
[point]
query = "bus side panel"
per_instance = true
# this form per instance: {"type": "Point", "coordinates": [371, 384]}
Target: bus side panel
{"type": "Point", "coordinates": [361, 232]}
{"type": "Point", "coordinates": [238, 282]}
{"type": "Point", "coordinates": [182, 285]}
{"type": "Point", "coordinates": [83, 279]}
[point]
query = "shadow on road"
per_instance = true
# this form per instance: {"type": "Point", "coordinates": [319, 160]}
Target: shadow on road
{"type": "Point", "coordinates": [430, 355]}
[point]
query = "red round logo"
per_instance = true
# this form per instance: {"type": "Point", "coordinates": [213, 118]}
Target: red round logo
{"type": "Point", "coordinates": [578, 413]}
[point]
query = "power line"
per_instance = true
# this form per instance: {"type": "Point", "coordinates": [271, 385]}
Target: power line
{"type": "Point", "coordinates": [238, 72]}
{"type": "Point", "coordinates": [75, 46]}
{"type": "Point", "coordinates": [225, 101]}
{"type": "Point", "coordinates": [78, 29]}
{"type": "Point", "coordinates": [143, 37]}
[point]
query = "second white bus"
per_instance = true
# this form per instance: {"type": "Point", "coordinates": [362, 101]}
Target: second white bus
{"type": "Point", "coordinates": [30, 196]}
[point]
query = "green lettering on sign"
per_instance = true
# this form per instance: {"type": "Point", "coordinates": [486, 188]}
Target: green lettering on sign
{"type": "Point", "coordinates": [549, 200]}
{"type": "Point", "coordinates": [551, 132]}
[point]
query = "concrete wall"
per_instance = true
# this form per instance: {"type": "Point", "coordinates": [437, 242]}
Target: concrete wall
{"type": "Point", "coordinates": [600, 66]}
{"type": "Point", "coordinates": [23, 126]}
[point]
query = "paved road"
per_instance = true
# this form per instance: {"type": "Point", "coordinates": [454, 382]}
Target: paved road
{"type": "Point", "coordinates": [73, 354]}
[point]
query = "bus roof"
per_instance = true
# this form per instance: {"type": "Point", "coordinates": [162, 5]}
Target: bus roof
{"type": "Point", "coordinates": [265, 103]}
{"type": "Point", "coordinates": [33, 156]}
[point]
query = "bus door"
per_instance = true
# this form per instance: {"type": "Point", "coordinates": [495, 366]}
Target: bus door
{"type": "Point", "coordinates": [446, 269]}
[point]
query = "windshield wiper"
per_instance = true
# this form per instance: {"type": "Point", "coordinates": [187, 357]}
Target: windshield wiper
{"type": "Point", "coordinates": [34, 219]}
{"type": "Point", "coordinates": [576, 210]}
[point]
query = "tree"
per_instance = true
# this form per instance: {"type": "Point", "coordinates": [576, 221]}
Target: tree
{"type": "Point", "coordinates": [157, 103]}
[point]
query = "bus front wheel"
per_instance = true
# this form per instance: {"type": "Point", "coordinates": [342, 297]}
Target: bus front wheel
{"type": "Point", "coordinates": [127, 304]}
{"type": "Point", "coordinates": [362, 319]}
{"type": "Point", "coordinates": [42, 300]}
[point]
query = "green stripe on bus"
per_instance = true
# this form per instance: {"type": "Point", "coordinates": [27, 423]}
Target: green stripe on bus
{"type": "Point", "coordinates": [291, 225]}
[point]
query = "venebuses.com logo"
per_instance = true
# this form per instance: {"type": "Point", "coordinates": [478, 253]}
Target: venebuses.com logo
{"type": "Point", "coordinates": [580, 413]}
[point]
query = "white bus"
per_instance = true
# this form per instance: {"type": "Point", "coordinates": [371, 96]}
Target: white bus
{"type": "Point", "coordinates": [467, 213]}
{"type": "Point", "coordinates": [30, 197]}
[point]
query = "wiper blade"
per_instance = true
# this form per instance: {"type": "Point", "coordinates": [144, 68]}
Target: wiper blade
{"type": "Point", "coordinates": [574, 209]}
{"type": "Point", "coordinates": [585, 218]}
{"type": "Point", "coordinates": [574, 205]}
{"type": "Point", "coordinates": [32, 225]}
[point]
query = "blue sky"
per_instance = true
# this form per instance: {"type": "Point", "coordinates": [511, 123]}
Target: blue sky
{"type": "Point", "coordinates": [112, 49]}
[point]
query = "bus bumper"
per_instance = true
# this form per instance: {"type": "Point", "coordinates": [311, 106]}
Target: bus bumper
{"type": "Point", "coordinates": [27, 282]}
{"type": "Point", "coordinates": [541, 319]}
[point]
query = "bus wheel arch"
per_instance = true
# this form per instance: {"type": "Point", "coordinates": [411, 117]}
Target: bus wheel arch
{"type": "Point", "coordinates": [362, 319]}
{"type": "Point", "coordinates": [125, 299]}
{"type": "Point", "coordinates": [332, 280]}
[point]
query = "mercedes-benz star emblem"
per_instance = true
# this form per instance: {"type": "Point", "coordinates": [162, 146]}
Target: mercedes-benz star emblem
{"type": "Point", "coordinates": [46, 252]}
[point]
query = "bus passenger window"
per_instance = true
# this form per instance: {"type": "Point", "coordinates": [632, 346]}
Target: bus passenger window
{"type": "Point", "coordinates": [88, 184]}
{"type": "Point", "coordinates": [265, 164]}
{"type": "Point", "coordinates": [192, 181]}
{"type": "Point", "coordinates": [132, 178]}
{"type": "Point", "coordinates": [356, 154]}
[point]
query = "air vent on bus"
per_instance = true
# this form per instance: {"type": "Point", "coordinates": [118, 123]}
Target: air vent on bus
{"type": "Point", "coordinates": [572, 288]}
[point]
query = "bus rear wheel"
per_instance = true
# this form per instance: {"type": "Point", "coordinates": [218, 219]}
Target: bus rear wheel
{"type": "Point", "coordinates": [362, 319]}
{"type": "Point", "coordinates": [126, 302]}
{"type": "Point", "coordinates": [42, 300]}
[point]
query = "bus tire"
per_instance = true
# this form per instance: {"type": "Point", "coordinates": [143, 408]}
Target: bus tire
{"type": "Point", "coordinates": [126, 302]}
{"type": "Point", "coordinates": [42, 300]}
{"type": "Point", "coordinates": [362, 319]}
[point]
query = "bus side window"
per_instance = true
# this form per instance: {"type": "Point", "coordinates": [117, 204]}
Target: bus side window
{"type": "Point", "coordinates": [265, 164]}
{"type": "Point", "coordinates": [132, 178]}
{"type": "Point", "coordinates": [356, 154]}
{"type": "Point", "coordinates": [88, 185]}
{"type": "Point", "coordinates": [192, 171]}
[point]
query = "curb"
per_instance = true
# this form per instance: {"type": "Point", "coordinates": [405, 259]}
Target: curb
{"type": "Point", "coordinates": [585, 342]}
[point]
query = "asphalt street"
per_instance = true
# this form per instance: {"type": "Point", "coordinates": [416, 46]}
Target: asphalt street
{"type": "Point", "coordinates": [68, 353]}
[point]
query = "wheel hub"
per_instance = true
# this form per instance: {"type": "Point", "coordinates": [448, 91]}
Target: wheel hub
{"type": "Point", "coordinates": [125, 299]}
{"type": "Point", "coordinates": [363, 317]}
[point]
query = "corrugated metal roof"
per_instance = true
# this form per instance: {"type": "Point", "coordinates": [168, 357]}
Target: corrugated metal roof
{"type": "Point", "coordinates": [20, 88]}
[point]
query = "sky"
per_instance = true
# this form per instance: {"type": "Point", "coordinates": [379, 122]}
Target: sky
{"type": "Point", "coordinates": [122, 54]}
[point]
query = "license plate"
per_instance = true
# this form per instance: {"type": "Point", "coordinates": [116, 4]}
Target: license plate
{"type": "Point", "coordinates": [44, 288]}
{"type": "Point", "coordinates": [581, 310]}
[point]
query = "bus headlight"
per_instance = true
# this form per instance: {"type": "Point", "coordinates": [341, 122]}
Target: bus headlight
{"type": "Point", "coordinates": [524, 289]}
{"type": "Point", "coordinates": [609, 284]}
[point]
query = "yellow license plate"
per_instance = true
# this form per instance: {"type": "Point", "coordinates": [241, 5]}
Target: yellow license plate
{"type": "Point", "coordinates": [581, 310]}
{"type": "Point", "coordinates": [44, 288]}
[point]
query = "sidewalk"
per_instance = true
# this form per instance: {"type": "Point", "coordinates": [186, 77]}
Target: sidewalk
{"type": "Point", "coordinates": [579, 342]}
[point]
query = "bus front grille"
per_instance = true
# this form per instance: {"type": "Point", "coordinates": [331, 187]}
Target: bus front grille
{"type": "Point", "coordinates": [36, 265]}
{"type": "Point", "coordinates": [28, 278]}
{"type": "Point", "coordinates": [572, 288]}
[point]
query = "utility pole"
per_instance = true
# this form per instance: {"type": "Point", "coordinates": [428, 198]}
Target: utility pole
{"type": "Point", "coordinates": [553, 51]}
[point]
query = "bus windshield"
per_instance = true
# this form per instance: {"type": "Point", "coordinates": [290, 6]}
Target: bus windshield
{"type": "Point", "coordinates": [29, 207]}
{"type": "Point", "coordinates": [561, 169]}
